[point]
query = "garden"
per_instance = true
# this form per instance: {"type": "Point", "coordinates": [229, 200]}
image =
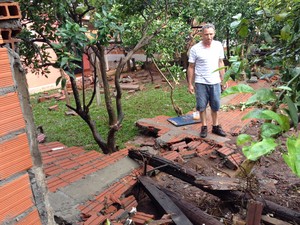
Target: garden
{"type": "Point", "coordinates": [259, 37]}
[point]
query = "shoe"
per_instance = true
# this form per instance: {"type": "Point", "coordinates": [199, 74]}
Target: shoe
{"type": "Point", "coordinates": [218, 131]}
{"type": "Point", "coordinates": [203, 132]}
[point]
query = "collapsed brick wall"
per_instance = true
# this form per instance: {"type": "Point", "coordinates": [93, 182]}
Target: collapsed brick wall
{"type": "Point", "coordinates": [23, 198]}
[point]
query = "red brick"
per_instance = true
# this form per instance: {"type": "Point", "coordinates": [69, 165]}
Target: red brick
{"type": "Point", "coordinates": [188, 154]}
{"type": "Point", "coordinates": [110, 210]}
{"type": "Point", "coordinates": [118, 215]}
{"type": "Point", "coordinates": [225, 151]}
{"type": "Point", "coordinates": [15, 197]}
{"type": "Point", "coordinates": [14, 156]}
{"type": "Point", "coordinates": [70, 176]}
{"type": "Point", "coordinates": [129, 202]}
{"type": "Point", "coordinates": [86, 169]}
{"type": "Point", "coordinates": [53, 108]}
{"type": "Point", "coordinates": [41, 99]}
{"type": "Point", "coordinates": [95, 219]}
{"type": "Point", "coordinates": [52, 169]}
{"type": "Point", "coordinates": [32, 218]}
{"type": "Point", "coordinates": [207, 149]}
{"type": "Point", "coordinates": [234, 160]}
{"type": "Point", "coordinates": [10, 10]}
{"type": "Point", "coordinates": [55, 182]}
{"type": "Point", "coordinates": [170, 155]}
{"type": "Point", "coordinates": [141, 218]}
{"type": "Point", "coordinates": [176, 146]}
{"type": "Point", "coordinates": [67, 164]}
{"type": "Point", "coordinates": [193, 145]}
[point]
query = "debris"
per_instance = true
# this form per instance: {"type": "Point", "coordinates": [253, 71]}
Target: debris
{"type": "Point", "coordinates": [53, 108]}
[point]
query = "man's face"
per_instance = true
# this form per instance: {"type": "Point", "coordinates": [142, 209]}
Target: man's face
{"type": "Point", "coordinates": [208, 35]}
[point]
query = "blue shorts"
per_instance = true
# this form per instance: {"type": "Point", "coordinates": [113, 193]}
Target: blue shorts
{"type": "Point", "coordinates": [208, 93]}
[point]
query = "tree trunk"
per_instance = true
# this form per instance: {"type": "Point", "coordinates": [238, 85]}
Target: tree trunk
{"type": "Point", "coordinates": [84, 114]}
{"type": "Point", "coordinates": [227, 43]}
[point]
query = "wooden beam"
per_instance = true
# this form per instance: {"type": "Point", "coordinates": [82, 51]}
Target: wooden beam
{"type": "Point", "coordinates": [189, 175]}
{"type": "Point", "coordinates": [195, 215]}
{"type": "Point", "coordinates": [164, 202]}
{"type": "Point", "coordinates": [234, 196]}
{"type": "Point", "coordinates": [254, 212]}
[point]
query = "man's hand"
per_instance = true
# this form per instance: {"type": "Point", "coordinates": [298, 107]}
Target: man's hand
{"type": "Point", "coordinates": [191, 89]}
{"type": "Point", "coordinates": [224, 86]}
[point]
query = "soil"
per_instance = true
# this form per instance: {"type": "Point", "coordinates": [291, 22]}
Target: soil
{"type": "Point", "coordinates": [270, 178]}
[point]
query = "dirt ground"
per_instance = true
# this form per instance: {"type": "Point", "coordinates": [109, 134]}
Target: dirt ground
{"type": "Point", "coordinates": [270, 178]}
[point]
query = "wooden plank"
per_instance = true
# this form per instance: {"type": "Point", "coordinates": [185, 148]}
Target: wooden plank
{"type": "Point", "coordinates": [164, 202]}
{"type": "Point", "coordinates": [234, 196]}
{"type": "Point", "coordinates": [189, 175]}
{"type": "Point", "coordinates": [195, 214]}
{"type": "Point", "coordinates": [273, 221]}
{"type": "Point", "coordinates": [254, 212]}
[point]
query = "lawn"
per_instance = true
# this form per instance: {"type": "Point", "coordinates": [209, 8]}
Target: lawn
{"type": "Point", "coordinates": [73, 131]}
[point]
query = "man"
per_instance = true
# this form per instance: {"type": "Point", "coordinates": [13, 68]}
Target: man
{"type": "Point", "coordinates": [205, 58]}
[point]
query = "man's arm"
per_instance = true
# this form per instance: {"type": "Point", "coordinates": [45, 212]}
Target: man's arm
{"type": "Point", "coordinates": [191, 77]}
{"type": "Point", "coordinates": [222, 71]}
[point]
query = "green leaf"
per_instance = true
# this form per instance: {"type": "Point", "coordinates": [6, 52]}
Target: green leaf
{"type": "Point", "coordinates": [281, 16]}
{"type": "Point", "coordinates": [233, 58]}
{"type": "Point", "coordinates": [243, 139]}
{"type": "Point", "coordinates": [64, 61]}
{"type": "Point", "coordinates": [58, 80]}
{"type": "Point", "coordinates": [70, 74]}
{"type": "Point", "coordinates": [285, 126]}
{"type": "Point", "coordinates": [270, 130]}
{"type": "Point", "coordinates": [285, 32]}
{"type": "Point", "coordinates": [292, 158]}
{"type": "Point", "coordinates": [243, 32]}
{"type": "Point", "coordinates": [240, 88]}
{"type": "Point", "coordinates": [107, 222]}
{"type": "Point", "coordinates": [235, 24]}
{"type": "Point", "coordinates": [63, 83]}
{"type": "Point", "coordinates": [259, 149]}
{"type": "Point", "coordinates": [227, 75]}
{"type": "Point", "coordinates": [57, 45]}
{"type": "Point", "coordinates": [267, 37]}
{"type": "Point", "coordinates": [237, 16]}
{"type": "Point", "coordinates": [284, 88]}
{"type": "Point", "coordinates": [293, 112]}
{"type": "Point", "coordinates": [221, 68]}
{"type": "Point", "coordinates": [263, 96]}
{"type": "Point", "coordinates": [279, 118]}
{"type": "Point", "coordinates": [235, 66]}
{"type": "Point", "coordinates": [256, 113]}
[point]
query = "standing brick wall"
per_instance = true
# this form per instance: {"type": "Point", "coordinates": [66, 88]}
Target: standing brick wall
{"type": "Point", "coordinates": [17, 203]}
{"type": "Point", "coordinates": [21, 173]}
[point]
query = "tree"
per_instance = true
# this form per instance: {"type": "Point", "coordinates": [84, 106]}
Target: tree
{"type": "Point", "coordinates": [60, 26]}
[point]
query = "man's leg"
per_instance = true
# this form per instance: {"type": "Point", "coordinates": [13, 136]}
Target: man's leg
{"type": "Point", "coordinates": [203, 118]}
{"type": "Point", "coordinates": [215, 106]}
{"type": "Point", "coordinates": [214, 116]}
{"type": "Point", "coordinates": [203, 132]}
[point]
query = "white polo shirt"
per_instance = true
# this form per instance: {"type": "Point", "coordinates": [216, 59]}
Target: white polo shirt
{"type": "Point", "coordinates": [206, 62]}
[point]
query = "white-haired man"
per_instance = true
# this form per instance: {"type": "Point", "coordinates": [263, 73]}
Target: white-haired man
{"type": "Point", "coordinates": [204, 78]}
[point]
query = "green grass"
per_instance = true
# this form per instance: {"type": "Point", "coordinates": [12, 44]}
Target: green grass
{"type": "Point", "coordinates": [73, 131]}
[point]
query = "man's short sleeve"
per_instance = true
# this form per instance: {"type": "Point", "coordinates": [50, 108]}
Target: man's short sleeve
{"type": "Point", "coordinates": [221, 51]}
{"type": "Point", "coordinates": [192, 55]}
